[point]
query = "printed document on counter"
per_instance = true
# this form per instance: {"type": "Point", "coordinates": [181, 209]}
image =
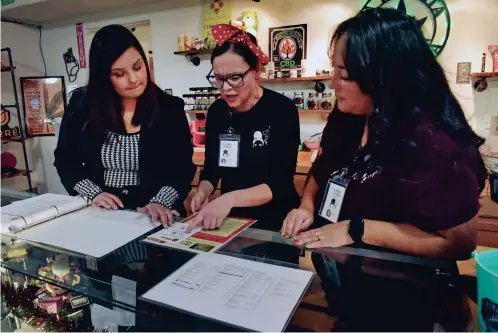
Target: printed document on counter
{"type": "Point", "coordinates": [198, 240]}
{"type": "Point", "coordinates": [242, 293]}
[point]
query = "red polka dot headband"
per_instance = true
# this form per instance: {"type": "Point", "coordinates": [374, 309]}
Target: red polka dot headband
{"type": "Point", "coordinates": [223, 33]}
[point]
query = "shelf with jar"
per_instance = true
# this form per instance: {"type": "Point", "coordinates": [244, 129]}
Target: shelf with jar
{"type": "Point", "coordinates": [315, 103]}
{"type": "Point", "coordinates": [200, 99]}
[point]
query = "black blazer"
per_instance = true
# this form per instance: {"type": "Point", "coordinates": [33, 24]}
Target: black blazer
{"type": "Point", "coordinates": [165, 155]}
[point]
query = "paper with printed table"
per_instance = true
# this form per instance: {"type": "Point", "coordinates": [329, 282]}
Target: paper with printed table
{"type": "Point", "coordinates": [198, 240]}
{"type": "Point", "coordinates": [243, 293]}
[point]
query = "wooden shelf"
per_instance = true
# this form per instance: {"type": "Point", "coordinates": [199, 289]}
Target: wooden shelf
{"type": "Point", "coordinates": [7, 68]}
{"type": "Point", "coordinates": [196, 111]}
{"type": "Point", "coordinates": [194, 52]}
{"type": "Point", "coordinates": [313, 111]}
{"type": "Point", "coordinates": [12, 139]}
{"type": "Point", "coordinates": [296, 79]}
{"type": "Point", "coordinates": [484, 74]}
{"type": "Point", "coordinates": [15, 174]}
{"type": "Point", "coordinates": [302, 111]}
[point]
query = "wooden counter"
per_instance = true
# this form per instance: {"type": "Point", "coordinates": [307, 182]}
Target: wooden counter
{"type": "Point", "coordinates": [487, 224]}
{"type": "Point", "coordinates": [303, 161]}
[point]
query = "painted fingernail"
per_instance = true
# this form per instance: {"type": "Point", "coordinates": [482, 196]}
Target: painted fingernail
{"type": "Point", "coordinates": [287, 234]}
{"type": "Point", "coordinates": [307, 246]}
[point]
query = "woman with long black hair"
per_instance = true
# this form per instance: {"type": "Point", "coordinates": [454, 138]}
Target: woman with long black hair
{"type": "Point", "coordinates": [123, 142]}
{"type": "Point", "coordinates": [400, 166]}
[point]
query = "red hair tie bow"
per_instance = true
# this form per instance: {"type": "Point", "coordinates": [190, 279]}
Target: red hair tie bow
{"type": "Point", "coordinates": [223, 33]}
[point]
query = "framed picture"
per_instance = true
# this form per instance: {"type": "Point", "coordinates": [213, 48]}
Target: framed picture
{"type": "Point", "coordinates": [44, 99]}
{"type": "Point", "coordinates": [288, 46]}
{"type": "Point", "coordinates": [168, 91]}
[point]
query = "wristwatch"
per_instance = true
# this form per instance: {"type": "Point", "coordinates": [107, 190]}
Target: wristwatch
{"type": "Point", "coordinates": [356, 229]}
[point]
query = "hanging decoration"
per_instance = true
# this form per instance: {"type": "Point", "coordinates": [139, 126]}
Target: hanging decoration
{"type": "Point", "coordinates": [80, 39]}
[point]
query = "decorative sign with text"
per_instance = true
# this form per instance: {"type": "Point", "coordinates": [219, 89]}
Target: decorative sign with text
{"type": "Point", "coordinates": [7, 131]}
{"type": "Point", "coordinates": [288, 46]}
{"type": "Point", "coordinates": [214, 12]}
{"type": "Point", "coordinates": [80, 38]}
{"type": "Point", "coordinates": [44, 99]}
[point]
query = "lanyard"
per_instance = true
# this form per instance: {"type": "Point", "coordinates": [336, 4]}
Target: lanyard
{"type": "Point", "coordinates": [230, 130]}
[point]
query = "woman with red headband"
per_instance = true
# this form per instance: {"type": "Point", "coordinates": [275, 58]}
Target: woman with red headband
{"type": "Point", "coordinates": [252, 139]}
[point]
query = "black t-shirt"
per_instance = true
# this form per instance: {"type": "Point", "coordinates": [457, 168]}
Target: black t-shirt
{"type": "Point", "coordinates": [269, 143]}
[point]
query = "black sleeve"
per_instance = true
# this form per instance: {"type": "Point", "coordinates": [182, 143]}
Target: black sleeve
{"type": "Point", "coordinates": [284, 144]}
{"type": "Point", "coordinates": [181, 171]}
{"type": "Point", "coordinates": [67, 158]}
{"type": "Point", "coordinates": [211, 171]}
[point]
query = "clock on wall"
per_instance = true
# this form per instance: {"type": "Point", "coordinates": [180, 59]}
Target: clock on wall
{"type": "Point", "coordinates": [433, 17]}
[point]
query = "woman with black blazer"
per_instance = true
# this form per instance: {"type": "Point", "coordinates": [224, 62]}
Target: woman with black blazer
{"type": "Point", "coordinates": [123, 142]}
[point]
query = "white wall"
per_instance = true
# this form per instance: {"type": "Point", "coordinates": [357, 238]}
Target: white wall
{"type": "Point", "coordinates": [24, 43]}
{"type": "Point", "coordinates": [473, 28]}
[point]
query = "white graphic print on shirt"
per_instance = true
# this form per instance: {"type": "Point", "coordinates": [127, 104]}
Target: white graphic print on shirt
{"type": "Point", "coordinates": [261, 138]}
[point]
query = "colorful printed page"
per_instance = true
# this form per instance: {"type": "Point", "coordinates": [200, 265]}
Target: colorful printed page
{"type": "Point", "coordinates": [198, 240]}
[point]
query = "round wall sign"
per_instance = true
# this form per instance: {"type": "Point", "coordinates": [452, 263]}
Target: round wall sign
{"type": "Point", "coordinates": [433, 17]}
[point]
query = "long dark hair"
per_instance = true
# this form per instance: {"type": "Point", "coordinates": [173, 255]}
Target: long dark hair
{"type": "Point", "coordinates": [389, 58]}
{"type": "Point", "coordinates": [241, 49]}
{"type": "Point", "coordinates": [102, 103]}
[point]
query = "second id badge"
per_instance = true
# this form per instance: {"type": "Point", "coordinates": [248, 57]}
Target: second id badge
{"type": "Point", "coordinates": [333, 197]}
{"type": "Point", "coordinates": [229, 151]}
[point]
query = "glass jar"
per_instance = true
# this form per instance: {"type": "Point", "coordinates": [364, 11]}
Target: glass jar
{"type": "Point", "coordinates": [271, 70]}
{"type": "Point", "coordinates": [312, 102]}
{"type": "Point", "coordinates": [191, 100]}
{"type": "Point", "coordinates": [198, 102]}
{"type": "Point", "coordinates": [212, 99]}
{"type": "Point", "coordinates": [299, 99]}
{"type": "Point", "coordinates": [332, 99]}
{"type": "Point", "coordinates": [325, 102]}
{"type": "Point", "coordinates": [263, 73]}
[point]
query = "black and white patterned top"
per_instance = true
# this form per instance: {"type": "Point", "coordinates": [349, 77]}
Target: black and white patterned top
{"type": "Point", "coordinates": [119, 155]}
{"type": "Point", "coordinates": [120, 159]}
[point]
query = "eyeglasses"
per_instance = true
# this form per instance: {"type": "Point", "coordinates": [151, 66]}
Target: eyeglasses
{"type": "Point", "coordinates": [234, 80]}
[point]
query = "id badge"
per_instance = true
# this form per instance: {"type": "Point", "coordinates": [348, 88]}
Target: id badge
{"type": "Point", "coordinates": [333, 197]}
{"type": "Point", "coordinates": [229, 151]}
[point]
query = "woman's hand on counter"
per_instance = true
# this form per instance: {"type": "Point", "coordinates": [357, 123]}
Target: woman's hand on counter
{"type": "Point", "coordinates": [297, 220]}
{"type": "Point", "coordinates": [331, 235]}
{"type": "Point", "coordinates": [213, 214]}
{"type": "Point", "coordinates": [159, 212]}
{"type": "Point", "coordinates": [107, 200]}
{"type": "Point", "coordinates": [199, 200]}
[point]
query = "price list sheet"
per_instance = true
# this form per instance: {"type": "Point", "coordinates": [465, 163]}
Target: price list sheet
{"type": "Point", "coordinates": [243, 293]}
